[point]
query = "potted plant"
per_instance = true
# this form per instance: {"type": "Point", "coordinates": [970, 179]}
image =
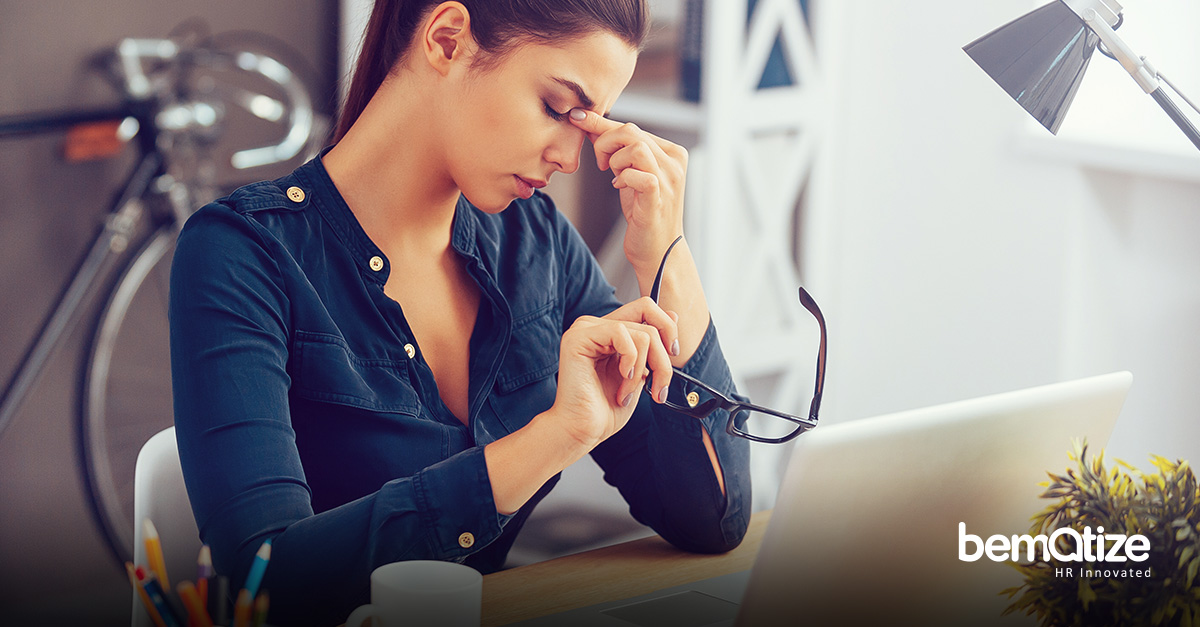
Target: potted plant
{"type": "Point", "coordinates": [1163, 506]}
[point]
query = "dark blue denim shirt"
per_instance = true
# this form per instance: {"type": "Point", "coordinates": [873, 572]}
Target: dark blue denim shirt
{"type": "Point", "coordinates": [306, 412]}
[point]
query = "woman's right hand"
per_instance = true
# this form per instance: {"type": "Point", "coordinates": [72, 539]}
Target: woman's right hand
{"type": "Point", "coordinates": [603, 367]}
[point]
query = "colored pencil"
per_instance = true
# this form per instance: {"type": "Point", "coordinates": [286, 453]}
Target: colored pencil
{"type": "Point", "coordinates": [158, 597]}
{"type": "Point", "coordinates": [155, 617]}
{"type": "Point", "coordinates": [218, 600]}
{"type": "Point", "coordinates": [241, 611]}
{"type": "Point", "coordinates": [197, 614]}
{"type": "Point", "coordinates": [260, 609]}
{"type": "Point", "coordinates": [204, 572]}
{"type": "Point", "coordinates": [154, 554]}
{"type": "Point", "coordinates": [254, 579]}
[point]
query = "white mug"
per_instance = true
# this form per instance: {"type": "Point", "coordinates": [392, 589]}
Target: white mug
{"type": "Point", "coordinates": [422, 593]}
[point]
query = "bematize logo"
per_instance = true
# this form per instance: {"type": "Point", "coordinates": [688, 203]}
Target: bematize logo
{"type": "Point", "coordinates": [1087, 546]}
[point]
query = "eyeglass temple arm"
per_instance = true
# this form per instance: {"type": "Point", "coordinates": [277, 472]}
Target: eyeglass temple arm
{"type": "Point", "coordinates": [811, 306]}
{"type": "Point", "coordinates": [654, 289]}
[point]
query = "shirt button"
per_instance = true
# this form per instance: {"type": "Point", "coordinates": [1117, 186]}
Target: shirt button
{"type": "Point", "coordinates": [295, 194]}
{"type": "Point", "coordinates": [466, 540]}
{"type": "Point", "coordinates": [693, 399]}
{"type": "Point", "coordinates": [411, 350]}
{"type": "Point", "coordinates": [376, 263]}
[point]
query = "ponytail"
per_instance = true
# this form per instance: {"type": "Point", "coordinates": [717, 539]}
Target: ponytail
{"type": "Point", "coordinates": [389, 31]}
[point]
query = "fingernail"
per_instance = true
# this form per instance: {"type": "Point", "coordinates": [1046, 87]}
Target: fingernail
{"type": "Point", "coordinates": [628, 400]}
{"type": "Point", "coordinates": [675, 348]}
{"type": "Point", "coordinates": [578, 114]}
{"type": "Point", "coordinates": [630, 375]}
{"type": "Point", "coordinates": [662, 394]}
{"type": "Point", "coordinates": [614, 181]}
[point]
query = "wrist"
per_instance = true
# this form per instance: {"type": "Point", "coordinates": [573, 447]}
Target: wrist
{"type": "Point", "coordinates": [678, 265]}
{"type": "Point", "coordinates": [646, 253]}
{"type": "Point", "coordinates": [520, 463]}
{"type": "Point", "coordinates": [562, 445]}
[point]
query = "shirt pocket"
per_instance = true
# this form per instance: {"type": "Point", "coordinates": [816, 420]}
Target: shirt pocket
{"type": "Point", "coordinates": [525, 385]}
{"type": "Point", "coordinates": [532, 350]}
{"type": "Point", "coordinates": [327, 370]}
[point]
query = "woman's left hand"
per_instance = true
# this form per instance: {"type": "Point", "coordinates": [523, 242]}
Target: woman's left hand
{"type": "Point", "coordinates": [650, 173]}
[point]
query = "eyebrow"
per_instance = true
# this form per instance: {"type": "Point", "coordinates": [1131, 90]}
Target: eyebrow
{"type": "Point", "coordinates": [579, 93]}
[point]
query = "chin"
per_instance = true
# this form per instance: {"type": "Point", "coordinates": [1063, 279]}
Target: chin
{"type": "Point", "coordinates": [490, 201]}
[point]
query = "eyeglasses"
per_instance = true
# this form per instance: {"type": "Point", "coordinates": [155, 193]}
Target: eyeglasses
{"type": "Point", "coordinates": [753, 422]}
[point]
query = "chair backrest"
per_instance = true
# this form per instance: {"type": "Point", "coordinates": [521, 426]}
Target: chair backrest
{"type": "Point", "coordinates": [159, 494]}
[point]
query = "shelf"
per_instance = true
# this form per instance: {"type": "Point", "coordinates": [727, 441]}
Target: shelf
{"type": "Point", "coordinates": [1181, 166]}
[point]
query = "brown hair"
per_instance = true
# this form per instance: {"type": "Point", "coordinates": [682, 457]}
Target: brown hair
{"type": "Point", "coordinates": [496, 25]}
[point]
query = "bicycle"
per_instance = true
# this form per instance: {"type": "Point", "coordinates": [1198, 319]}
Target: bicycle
{"type": "Point", "coordinates": [178, 96]}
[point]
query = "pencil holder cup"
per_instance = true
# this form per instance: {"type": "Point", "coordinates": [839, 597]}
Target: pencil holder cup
{"type": "Point", "coordinates": [422, 592]}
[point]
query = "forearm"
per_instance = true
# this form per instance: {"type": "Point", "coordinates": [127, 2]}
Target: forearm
{"type": "Point", "coordinates": [660, 469]}
{"type": "Point", "coordinates": [681, 292]}
{"type": "Point", "coordinates": [520, 463]}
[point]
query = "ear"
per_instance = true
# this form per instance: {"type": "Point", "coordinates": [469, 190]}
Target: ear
{"type": "Point", "coordinates": [446, 38]}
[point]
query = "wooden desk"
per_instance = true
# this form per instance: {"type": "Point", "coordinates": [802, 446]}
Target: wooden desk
{"type": "Point", "coordinates": [607, 574]}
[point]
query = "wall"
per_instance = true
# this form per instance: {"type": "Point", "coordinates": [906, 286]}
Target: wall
{"type": "Point", "coordinates": [967, 259]}
{"type": "Point", "coordinates": [54, 564]}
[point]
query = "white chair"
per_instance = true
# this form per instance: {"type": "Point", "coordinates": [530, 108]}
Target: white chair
{"type": "Point", "coordinates": [159, 494]}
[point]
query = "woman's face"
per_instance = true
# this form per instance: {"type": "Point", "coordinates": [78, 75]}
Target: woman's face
{"type": "Point", "coordinates": [507, 125]}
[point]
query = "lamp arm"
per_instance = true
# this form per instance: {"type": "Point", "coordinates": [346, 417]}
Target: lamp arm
{"type": "Point", "coordinates": [1141, 71]}
{"type": "Point", "coordinates": [1138, 67]}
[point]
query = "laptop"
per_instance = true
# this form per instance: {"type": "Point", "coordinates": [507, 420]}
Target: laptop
{"type": "Point", "coordinates": [865, 530]}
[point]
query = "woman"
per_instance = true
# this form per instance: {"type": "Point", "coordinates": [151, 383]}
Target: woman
{"type": "Point", "coordinates": [364, 351]}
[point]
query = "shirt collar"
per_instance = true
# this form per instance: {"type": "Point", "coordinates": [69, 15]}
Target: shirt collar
{"type": "Point", "coordinates": [341, 219]}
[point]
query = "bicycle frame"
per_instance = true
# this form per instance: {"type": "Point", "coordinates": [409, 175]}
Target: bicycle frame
{"type": "Point", "coordinates": [144, 110]}
{"type": "Point", "coordinates": [167, 119]}
{"type": "Point", "coordinates": [113, 238]}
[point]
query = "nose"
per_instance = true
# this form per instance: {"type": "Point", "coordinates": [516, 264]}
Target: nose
{"type": "Point", "coordinates": [564, 150]}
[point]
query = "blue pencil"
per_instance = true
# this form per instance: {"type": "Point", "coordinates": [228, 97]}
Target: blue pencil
{"type": "Point", "coordinates": [158, 597]}
{"type": "Point", "coordinates": [254, 579]}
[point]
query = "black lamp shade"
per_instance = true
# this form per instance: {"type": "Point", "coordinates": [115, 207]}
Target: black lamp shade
{"type": "Point", "coordinates": [1039, 59]}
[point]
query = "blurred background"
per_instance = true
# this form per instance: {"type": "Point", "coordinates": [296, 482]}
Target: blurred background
{"type": "Point", "coordinates": [956, 247]}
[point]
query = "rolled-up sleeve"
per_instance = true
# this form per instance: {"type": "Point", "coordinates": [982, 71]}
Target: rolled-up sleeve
{"type": "Point", "coordinates": [658, 460]}
{"type": "Point", "coordinates": [229, 314]}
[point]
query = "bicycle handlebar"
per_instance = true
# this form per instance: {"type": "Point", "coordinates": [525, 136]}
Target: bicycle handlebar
{"type": "Point", "coordinates": [133, 52]}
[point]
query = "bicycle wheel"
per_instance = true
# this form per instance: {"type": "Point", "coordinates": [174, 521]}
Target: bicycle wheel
{"type": "Point", "coordinates": [127, 386]}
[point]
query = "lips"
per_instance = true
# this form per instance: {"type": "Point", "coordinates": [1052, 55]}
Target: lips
{"type": "Point", "coordinates": [526, 186]}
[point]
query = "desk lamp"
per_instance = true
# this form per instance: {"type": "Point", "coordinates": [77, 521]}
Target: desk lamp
{"type": "Point", "coordinates": [1040, 58]}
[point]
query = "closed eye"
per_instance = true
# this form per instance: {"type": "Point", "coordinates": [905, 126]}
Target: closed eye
{"type": "Point", "coordinates": [555, 115]}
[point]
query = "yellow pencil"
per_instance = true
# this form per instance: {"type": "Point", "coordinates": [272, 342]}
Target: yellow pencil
{"type": "Point", "coordinates": [241, 610]}
{"type": "Point", "coordinates": [260, 609]}
{"type": "Point", "coordinates": [197, 613]}
{"type": "Point", "coordinates": [154, 554]}
{"type": "Point", "coordinates": [141, 592]}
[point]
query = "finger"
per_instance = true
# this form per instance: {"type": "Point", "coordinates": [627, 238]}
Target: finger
{"type": "Point", "coordinates": [627, 347]}
{"type": "Point", "coordinates": [592, 123]}
{"type": "Point", "coordinates": [660, 366]}
{"type": "Point", "coordinates": [614, 139]}
{"type": "Point", "coordinates": [638, 181]}
{"type": "Point", "coordinates": [645, 310]}
{"type": "Point", "coordinates": [630, 387]}
{"type": "Point", "coordinates": [639, 156]}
